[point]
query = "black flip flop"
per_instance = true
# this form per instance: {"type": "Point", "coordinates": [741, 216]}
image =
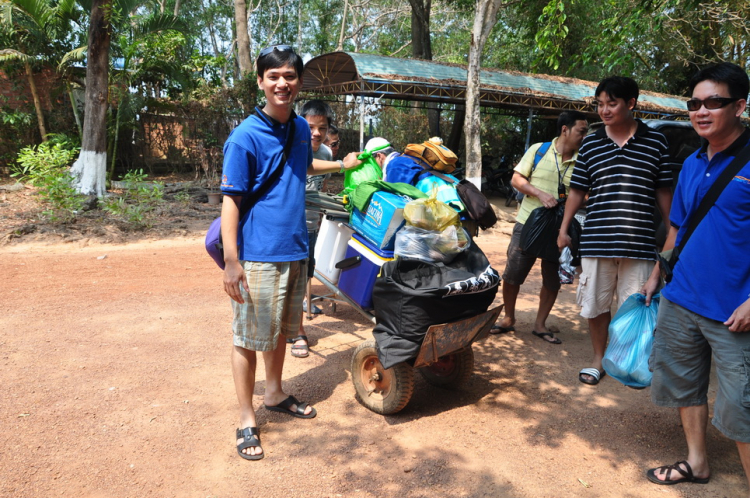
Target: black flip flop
{"type": "Point", "coordinates": [285, 407]}
{"type": "Point", "coordinates": [542, 335]}
{"type": "Point", "coordinates": [497, 329]}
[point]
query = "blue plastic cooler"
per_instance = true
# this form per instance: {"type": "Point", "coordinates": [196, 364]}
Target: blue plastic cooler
{"type": "Point", "coordinates": [357, 281]}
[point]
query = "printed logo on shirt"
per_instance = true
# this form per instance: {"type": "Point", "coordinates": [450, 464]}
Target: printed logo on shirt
{"type": "Point", "coordinates": [741, 179]}
{"type": "Point", "coordinates": [225, 182]}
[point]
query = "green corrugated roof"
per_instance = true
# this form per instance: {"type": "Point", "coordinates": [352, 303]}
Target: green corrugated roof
{"type": "Point", "coordinates": [409, 79]}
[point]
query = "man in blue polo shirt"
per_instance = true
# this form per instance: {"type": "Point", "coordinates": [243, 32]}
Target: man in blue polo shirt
{"type": "Point", "coordinates": [266, 248]}
{"type": "Point", "coordinates": [705, 308]}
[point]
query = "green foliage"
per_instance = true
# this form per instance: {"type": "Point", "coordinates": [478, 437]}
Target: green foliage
{"type": "Point", "coordinates": [138, 203]}
{"type": "Point", "coordinates": [36, 163]}
{"type": "Point", "coordinates": [46, 166]}
{"type": "Point", "coordinates": [183, 198]}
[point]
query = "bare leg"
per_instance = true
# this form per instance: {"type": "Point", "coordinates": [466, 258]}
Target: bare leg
{"type": "Point", "coordinates": [244, 362]}
{"type": "Point", "coordinates": [510, 295]}
{"type": "Point", "coordinates": [694, 422]}
{"type": "Point", "coordinates": [599, 330]}
{"type": "Point", "coordinates": [274, 362]}
{"type": "Point", "coordinates": [547, 300]}
{"type": "Point", "coordinates": [744, 449]}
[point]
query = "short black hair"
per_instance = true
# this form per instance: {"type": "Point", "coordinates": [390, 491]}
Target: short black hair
{"type": "Point", "coordinates": [569, 118]}
{"type": "Point", "coordinates": [279, 58]}
{"type": "Point", "coordinates": [618, 87]}
{"type": "Point", "coordinates": [724, 72]}
{"type": "Point", "coordinates": [317, 108]}
{"type": "Point", "coordinates": [333, 129]}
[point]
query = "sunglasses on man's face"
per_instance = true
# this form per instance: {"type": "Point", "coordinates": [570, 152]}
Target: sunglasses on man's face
{"type": "Point", "coordinates": [280, 48]}
{"type": "Point", "coordinates": [709, 103]}
{"type": "Point", "coordinates": [334, 144]}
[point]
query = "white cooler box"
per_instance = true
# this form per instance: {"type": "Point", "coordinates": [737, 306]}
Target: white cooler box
{"type": "Point", "coordinates": [330, 248]}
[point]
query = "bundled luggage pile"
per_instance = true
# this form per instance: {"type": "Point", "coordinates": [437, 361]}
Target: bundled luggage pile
{"type": "Point", "coordinates": [405, 255]}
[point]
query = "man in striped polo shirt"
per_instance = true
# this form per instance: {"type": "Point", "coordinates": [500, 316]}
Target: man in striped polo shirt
{"type": "Point", "coordinates": [622, 167]}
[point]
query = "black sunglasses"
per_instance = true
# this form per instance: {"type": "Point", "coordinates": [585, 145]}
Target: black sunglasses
{"type": "Point", "coordinates": [334, 144]}
{"type": "Point", "coordinates": [709, 103]}
{"type": "Point", "coordinates": [280, 48]}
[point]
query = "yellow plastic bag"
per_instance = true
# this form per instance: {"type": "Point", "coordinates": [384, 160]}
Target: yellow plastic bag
{"type": "Point", "coordinates": [430, 214]}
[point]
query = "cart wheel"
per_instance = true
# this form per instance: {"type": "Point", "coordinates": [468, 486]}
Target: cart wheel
{"type": "Point", "coordinates": [450, 371]}
{"type": "Point", "coordinates": [382, 391]}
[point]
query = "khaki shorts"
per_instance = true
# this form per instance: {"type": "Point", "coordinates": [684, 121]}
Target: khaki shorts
{"type": "Point", "coordinates": [602, 277]}
{"type": "Point", "coordinates": [273, 306]}
{"type": "Point", "coordinates": [681, 361]}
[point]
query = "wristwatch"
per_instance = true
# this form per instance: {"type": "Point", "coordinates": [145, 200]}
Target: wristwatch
{"type": "Point", "coordinates": [341, 163]}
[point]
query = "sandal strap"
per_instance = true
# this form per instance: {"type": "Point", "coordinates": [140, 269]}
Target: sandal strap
{"type": "Point", "coordinates": [250, 436]}
{"type": "Point", "coordinates": [687, 473]}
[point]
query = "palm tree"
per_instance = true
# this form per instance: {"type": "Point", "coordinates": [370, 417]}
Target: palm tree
{"type": "Point", "coordinates": [33, 32]}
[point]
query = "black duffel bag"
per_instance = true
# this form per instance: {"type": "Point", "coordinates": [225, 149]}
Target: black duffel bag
{"type": "Point", "coordinates": [539, 234]}
{"type": "Point", "coordinates": [410, 295]}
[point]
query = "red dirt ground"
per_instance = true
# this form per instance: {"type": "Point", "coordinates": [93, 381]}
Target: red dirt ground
{"type": "Point", "coordinates": [116, 382]}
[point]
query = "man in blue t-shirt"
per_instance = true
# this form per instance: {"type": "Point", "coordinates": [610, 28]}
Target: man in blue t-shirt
{"type": "Point", "coordinates": [265, 246]}
{"type": "Point", "coordinates": [705, 308]}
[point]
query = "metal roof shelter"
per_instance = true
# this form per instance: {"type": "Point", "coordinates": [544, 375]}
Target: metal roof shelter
{"type": "Point", "coordinates": [347, 73]}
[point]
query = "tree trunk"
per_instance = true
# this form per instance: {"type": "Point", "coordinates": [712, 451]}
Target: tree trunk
{"type": "Point", "coordinates": [421, 48]}
{"type": "Point", "coordinates": [91, 167]}
{"type": "Point", "coordinates": [454, 140]}
{"type": "Point", "coordinates": [421, 45]}
{"type": "Point", "coordinates": [243, 38]}
{"type": "Point", "coordinates": [340, 44]}
{"type": "Point", "coordinates": [485, 18]}
{"type": "Point", "coordinates": [37, 102]}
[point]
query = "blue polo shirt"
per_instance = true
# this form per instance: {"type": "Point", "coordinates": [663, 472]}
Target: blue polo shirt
{"type": "Point", "coordinates": [273, 230]}
{"type": "Point", "coordinates": [712, 275]}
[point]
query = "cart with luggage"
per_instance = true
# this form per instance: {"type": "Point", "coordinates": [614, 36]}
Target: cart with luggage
{"type": "Point", "coordinates": [348, 265]}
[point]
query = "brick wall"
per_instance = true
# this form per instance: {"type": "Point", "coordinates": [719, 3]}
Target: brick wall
{"type": "Point", "coordinates": [16, 94]}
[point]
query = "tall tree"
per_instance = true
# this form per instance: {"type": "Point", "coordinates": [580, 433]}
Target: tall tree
{"type": "Point", "coordinates": [485, 18]}
{"type": "Point", "coordinates": [90, 168]}
{"type": "Point", "coordinates": [243, 38]}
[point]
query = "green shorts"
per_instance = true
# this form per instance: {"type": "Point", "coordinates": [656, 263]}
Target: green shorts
{"type": "Point", "coordinates": [273, 306]}
{"type": "Point", "coordinates": [684, 343]}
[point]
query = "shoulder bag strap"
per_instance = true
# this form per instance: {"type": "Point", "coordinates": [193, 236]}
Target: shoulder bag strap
{"type": "Point", "coordinates": [421, 162]}
{"type": "Point", "coordinates": [254, 196]}
{"type": "Point", "coordinates": [441, 176]}
{"type": "Point", "coordinates": [713, 194]}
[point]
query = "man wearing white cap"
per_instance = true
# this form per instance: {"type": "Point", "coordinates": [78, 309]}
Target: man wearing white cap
{"type": "Point", "coordinates": [383, 156]}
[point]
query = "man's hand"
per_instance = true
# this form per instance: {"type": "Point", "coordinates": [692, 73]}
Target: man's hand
{"type": "Point", "coordinates": [563, 241]}
{"type": "Point", "coordinates": [234, 276]}
{"type": "Point", "coordinates": [649, 288]}
{"type": "Point", "coordinates": [547, 200]}
{"type": "Point", "coordinates": [351, 161]}
{"type": "Point", "coordinates": [740, 319]}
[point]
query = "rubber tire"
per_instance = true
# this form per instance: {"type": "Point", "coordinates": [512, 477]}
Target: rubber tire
{"type": "Point", "coordinates": [389, 394]}
{"type": "Point", "coordinates": [509, 197]}
{"type": "Point", "coordinates": [450, 371]}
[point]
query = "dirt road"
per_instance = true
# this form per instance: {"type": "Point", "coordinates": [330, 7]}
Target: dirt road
{"type": "Point", "coordinates": [116, 382]}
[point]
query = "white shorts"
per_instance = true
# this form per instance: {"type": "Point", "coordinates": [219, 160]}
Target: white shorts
{"type": "Point", "coordinates": [602, 277]}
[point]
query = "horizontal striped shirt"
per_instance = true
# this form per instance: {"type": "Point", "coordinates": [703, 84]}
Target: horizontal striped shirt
{"type": "Point", "coordinates": [622, 184]}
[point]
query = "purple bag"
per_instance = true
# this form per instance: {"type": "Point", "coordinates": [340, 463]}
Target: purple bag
{"type": "Point", "coordinates": [214, 246]}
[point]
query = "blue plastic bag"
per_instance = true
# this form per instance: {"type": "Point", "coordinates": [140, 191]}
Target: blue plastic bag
{"type": "Point", "coordinates": [631, 336]}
